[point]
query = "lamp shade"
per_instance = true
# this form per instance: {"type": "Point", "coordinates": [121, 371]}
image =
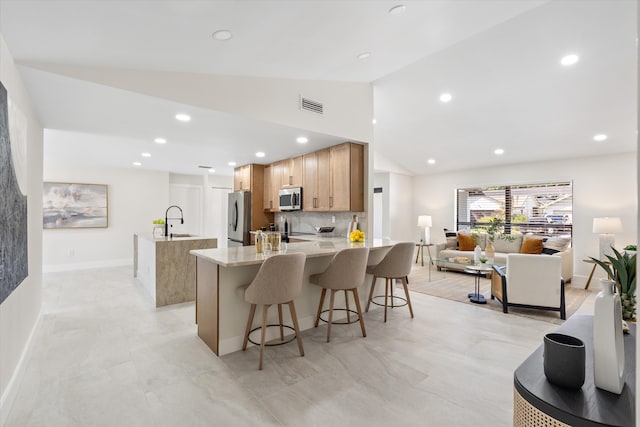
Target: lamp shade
{"type": "Point", "coordinates": [424, 221]}
{"type": "Point", "coordinates": [607, 225]}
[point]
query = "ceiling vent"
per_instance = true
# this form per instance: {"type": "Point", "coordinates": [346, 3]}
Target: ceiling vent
{"type": "Point", "coordinates": [311, 105]}
{"type": "Point", "coordinates": [205, 167]}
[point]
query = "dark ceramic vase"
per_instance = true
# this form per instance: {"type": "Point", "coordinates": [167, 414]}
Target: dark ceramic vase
{"type": "Point", "coordinates": [564, 360]}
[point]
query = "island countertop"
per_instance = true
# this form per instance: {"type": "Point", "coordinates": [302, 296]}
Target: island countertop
{"type": "Point", "coordinates": [153, 238]}
{"type": "Point", "coordinates": [318, 247]}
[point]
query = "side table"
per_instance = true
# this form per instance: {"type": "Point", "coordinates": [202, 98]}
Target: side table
{"type": "Point", "coordinates": [420, 252]}
{"type": "Point", "coordinates": [478, 271]}
{"type": "Point", "coordinates": [590, 261]}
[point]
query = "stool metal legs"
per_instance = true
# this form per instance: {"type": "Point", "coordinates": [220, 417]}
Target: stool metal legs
{"type": "Point", "coordinates": [263, 332]}
{"type": "Point", "coordinates": [388, 289]}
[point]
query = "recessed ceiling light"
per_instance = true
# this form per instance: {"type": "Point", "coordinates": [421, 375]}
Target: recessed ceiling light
{"type": "Point", "coordinates": [183, 117]}
{"type": "Point", "coordinates": [146, 154]}
{"type": "Point", "coordinates": [212, 170]}
{"type": "Point", "coordinates": [374, 121]}
{"type": "Point", "coordinates": [569, 60]}
{"type": "Point", "coordinates": [498, 151]}
{"type": "Point", "coordinates": [231, 163]}
{"type": "Point", "coordinates": [446, 97]}
{"type": "Point", "coordinates": [364, 55]}
{"type": "Point", "coordinates": [260, 154]}
{"type": "Point", "coordinates": [160, 141]}
{"type": "Point", "coordinates": [302, 140]}
{"type": "Point", "coordinates": [431, 161]}
{"type": "Point", "coordinates": [222, 35]}
{"type": "Point", "coordinates": [397, 10]}
{"type": "Point", "coordinates": [600, 137]}
{"type": "Point", "coordinates": [137, 164]}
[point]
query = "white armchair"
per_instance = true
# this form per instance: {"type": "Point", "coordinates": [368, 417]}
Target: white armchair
{"type": "Point", "coordinates": [530, 281]}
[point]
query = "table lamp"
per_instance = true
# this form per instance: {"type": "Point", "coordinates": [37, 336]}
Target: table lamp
{"type": "Point", "coordinates": [606, 227]}
{"type": "Point", "coordinates": [425, 221]}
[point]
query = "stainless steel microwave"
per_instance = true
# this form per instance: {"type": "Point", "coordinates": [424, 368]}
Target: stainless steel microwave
{"type": "Point", "coordinates": [290, 199]}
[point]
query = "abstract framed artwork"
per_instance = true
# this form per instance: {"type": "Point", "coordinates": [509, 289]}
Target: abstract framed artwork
{"type": "Point", "coordinates": [73, 205]}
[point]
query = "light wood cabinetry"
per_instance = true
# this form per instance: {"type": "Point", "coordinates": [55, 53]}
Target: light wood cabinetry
{"type": "Point", "coordinates": [268, 194]}
{"type": "Point", "coordinates": [347, 178]}
{"type": "Point", "coordinates": [251, 178]}
{"type": "Point", "coordinates": [292, 172]}
{"type": "Point", "coordinates": [333, 179]}
{"type": "Point", "coordinates": [242, 178]}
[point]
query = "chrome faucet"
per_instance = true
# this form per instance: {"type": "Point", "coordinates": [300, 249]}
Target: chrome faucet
{"type": "Point", "coordinates": [166, 219]}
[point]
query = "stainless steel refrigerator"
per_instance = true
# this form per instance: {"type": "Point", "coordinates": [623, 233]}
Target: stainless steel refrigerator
{"type": "Point", "coordinates": [239, 219]}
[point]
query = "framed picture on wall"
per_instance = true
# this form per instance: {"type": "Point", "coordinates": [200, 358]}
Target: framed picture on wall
{"type": "Point", "coordinates": [73, 205]}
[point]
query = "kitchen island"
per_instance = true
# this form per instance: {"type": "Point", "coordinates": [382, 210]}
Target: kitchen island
{"type": "Point", "coordinates": [222, 313]}
{"type": "Point", "coordinates": [165, 268]}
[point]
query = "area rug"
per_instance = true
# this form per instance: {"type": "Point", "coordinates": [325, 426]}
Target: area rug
{"type": "Point", "coordinates": [455, 286]}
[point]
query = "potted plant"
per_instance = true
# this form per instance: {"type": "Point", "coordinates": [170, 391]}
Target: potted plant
{"type": "Point", "coordinates": [630, 249]}
{"type": "Point", "coordinates": [623, 272]}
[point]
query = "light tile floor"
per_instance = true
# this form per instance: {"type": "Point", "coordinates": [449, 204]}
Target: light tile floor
{"type": "Point", "coordinates": [104, 356]}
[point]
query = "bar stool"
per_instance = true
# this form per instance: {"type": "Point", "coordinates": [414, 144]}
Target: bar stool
{"type": "Point", "coordinates": [345, 273]}
{"type": "Point", "coordinates": [396, 264]}
{"type": "Point", "coordinates": [279, 281]}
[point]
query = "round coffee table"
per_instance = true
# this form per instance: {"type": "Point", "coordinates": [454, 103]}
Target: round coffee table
{"type": "Point", "coordinates": [478, 271]}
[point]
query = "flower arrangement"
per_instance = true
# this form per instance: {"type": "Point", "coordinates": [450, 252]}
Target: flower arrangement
{"type": "Point", "coordinates": [356, 236]}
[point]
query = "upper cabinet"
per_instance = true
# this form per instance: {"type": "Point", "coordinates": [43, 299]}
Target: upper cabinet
{"type": "Point", "coordinates": [292, 172]}
{"type": "Point", "coordinates": [242, 178]}
{"type": "Point", "coordinates": [251, 178]}
{"type": "Point", "coordinates": [315, 179]}
{"type": "Point", "coordinates": [333, 179]}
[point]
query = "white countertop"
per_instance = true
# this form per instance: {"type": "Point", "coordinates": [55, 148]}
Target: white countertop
{"type": "Point", "coordinates": [153, 238]}
{"type": "Point", "coordinates": [319, 246]}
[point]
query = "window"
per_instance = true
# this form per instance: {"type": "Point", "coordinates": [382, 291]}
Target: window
{"type": "Point", "coordinates": [539, 209]}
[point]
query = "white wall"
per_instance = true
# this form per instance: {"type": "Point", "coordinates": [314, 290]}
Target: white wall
{"type": "Point", "coordinates": [397, 205]}
{"type": "Point", "coordinates": [20, 311]}
{"type": "Point", "coordinates": [135, 199]}
{"type": "Point", "coordinates": [602, 186]}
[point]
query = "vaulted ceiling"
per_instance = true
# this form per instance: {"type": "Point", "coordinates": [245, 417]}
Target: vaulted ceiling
{"type": "Point", "coordinates": [500, 61]}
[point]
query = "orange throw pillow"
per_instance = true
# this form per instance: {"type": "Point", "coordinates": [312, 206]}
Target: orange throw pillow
{"type": "Point", "coordinates": [466, 242]}
{"type": "Point", "coordinates": [531, 246]}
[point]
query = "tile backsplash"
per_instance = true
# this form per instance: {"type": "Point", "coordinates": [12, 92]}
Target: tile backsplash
{"type": "Point", "coordinates": [305, 222]}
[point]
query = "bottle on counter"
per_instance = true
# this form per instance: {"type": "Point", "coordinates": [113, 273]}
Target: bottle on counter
{"type": "Point", "coordinates": [353, 226]}
{"type": "Point", "coordinates": [259, 241]}
{"type": "Point", "coordinates": [285, 238]}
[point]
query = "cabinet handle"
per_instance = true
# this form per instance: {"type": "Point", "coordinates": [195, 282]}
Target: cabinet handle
{"type": "Point", "coordinates": [314, 202]}
{"type": "Point", "coordinates": [270, 204]}
{"type": "Point", "coordinates": [290, 180]}
{"type": "Point", "coordinates": [330, 201]}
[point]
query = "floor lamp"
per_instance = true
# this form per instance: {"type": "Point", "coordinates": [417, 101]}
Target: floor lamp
{"type": "Point", "coordinates": [606, 227]}
{"type": "Point", "coordinates": [425, 221]}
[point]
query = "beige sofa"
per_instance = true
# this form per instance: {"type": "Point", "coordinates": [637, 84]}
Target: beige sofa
{"type": "Point", "coordinates": [559, 245]}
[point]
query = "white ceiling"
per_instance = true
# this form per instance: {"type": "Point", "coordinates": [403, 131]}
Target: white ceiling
{"type": "Point", "coordinates": [499, 59]}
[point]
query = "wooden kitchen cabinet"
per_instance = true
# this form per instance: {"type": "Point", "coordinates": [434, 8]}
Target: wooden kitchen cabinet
{"type": "Point", "coordinates": [251, 178]}
{"type": "Point", "coordinates": [347, 178]}
{"type": "Point", "coordinates": [316, 170]}
{"type": "Point", "coordinates": [242, 178]}
{"type": "Point", "coordinates": [268, 194]}
{"type": "Point", "coordinates": [333, 179]}
{"type": "Point", "coordinates": [292, 172]}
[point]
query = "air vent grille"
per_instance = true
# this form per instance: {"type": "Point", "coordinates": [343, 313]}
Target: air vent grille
{"type": "Point", "coordinates": [205, 167]}
{"type": "Point", "coordinates": [311, 105]}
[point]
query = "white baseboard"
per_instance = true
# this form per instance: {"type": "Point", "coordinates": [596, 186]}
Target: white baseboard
{"type": "Point", "coordinates": [10, 393]}
{"type": "Point", "coordinates": [54, 268]}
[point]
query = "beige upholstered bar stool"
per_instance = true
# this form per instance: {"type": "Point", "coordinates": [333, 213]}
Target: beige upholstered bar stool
{"type": "Point", "coordinates": [345, 273]}
{"type": "Point", "coordinates": [279, 281]}
{"type": "Point", "coordinates": [396, 264]}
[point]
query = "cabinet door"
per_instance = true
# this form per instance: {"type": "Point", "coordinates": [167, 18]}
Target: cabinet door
{"type": "Point", "coordinates": [237, 178]}
{"type": "Point", "coordinates": [295, 172]}
{"type": "Point", "coordinates": [339, 199]}
{"type": "Point", "coordinates": [245, 183]}
{"type": "Point", "coordinates": [276, 183]}
{"type": "Point", "coordinates": [323, 179]}
{"type": "Point", "coordinates": [268, 193]}
{"type": "Point", "coordinates": [309, 181]}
